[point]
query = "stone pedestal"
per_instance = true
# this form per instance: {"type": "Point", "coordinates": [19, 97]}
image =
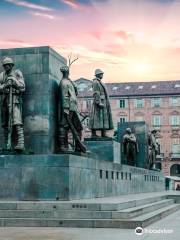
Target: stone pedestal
{"type": "Point", "coordinates": [40, 67]}
{"type": "Point", "coordinates": [66, 177]}
{"type": "Point", "coordinates": [103, 149]}
{"type": "Point", "coordinates": [140, 129]}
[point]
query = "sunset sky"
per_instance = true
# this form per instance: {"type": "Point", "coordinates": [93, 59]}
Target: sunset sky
{"type": "Point", "coordinates": [131, 40]}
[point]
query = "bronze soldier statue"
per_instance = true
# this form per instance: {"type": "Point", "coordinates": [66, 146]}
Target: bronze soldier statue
{"type": "Point", "coordinates": [101, 116]}
{"type": "Point", "coordinates": [11, 88]}
{"type": "Point", "coordinates": [154, 149]}
{"type": "Point", "coordinates": [130, 147]}
{"type": "Point", "coordinates": [69, 117]}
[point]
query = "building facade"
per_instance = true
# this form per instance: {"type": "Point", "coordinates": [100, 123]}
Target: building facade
{"type": "Point", "coordinates": [156, 103]}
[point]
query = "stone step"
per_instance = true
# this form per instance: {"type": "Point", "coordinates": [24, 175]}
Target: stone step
{"type": "Point", "coordinates": [139, 202]}
{"type": "Point", "coordinates": [50, 205]}
{"type": "Point", "coordinates": [84, 214]}
{"type": "Point", "coordinates": [78, 206]}
{"type": "Point", "coordinates": [63, 214]}
{"type": "Point", "coordinates": [139, 210]}
{"type": "Point", "coordinates": [141, 221]}
{"type": "Point", "coordinates": [149, 218]}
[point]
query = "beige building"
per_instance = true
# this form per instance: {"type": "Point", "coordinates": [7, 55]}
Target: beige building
{"type": "Point", "coordinates": [156, 103]}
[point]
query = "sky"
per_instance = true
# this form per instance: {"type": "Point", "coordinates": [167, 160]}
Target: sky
{"type": "Point", "coordinates": [130, 40]}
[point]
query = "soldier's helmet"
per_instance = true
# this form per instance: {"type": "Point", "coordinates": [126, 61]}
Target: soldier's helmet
{"type": "Point", "coordinates": [128, 130]}
{"type": "Point", "coordinates": [98, 71]}
{"type": "Point", "coordinates": [64, 68]}
{"type": "Point", "coordinates": [7, 60]}
{"type": "Point", "coordinates": [154, 131]}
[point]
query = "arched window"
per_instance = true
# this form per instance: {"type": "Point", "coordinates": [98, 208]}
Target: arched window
{"type": "Point", "coordinates": [175, 170]}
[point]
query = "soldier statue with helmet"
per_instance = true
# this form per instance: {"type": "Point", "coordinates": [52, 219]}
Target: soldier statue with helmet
{"type": "Point", "coordinates": [101, 116]}
{"type": "Point", "coordinates": [130, 147]}
{"type": "Point", "coordinates": [69, 117]}
{"type": "Point", "coordinates": [11, 88]}
{"type": "Point", "coordinates": [154, 149]}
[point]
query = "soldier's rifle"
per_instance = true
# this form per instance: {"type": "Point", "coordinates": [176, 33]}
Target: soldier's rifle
{"type": "Point", "coordinates": [10, 114]}
{"type": "Point", "coordinates": [75, 134]}
{"type": "Point", "coordinates": [83, 117]}
{"type": "Point", "coordinates": [10, 117]}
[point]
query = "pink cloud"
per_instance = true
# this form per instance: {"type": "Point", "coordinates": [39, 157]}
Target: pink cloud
{"type": "Point", "coordinates": [124, 35]}
{"type": "Point", "coordinates": [29, 5]}
{"type": "Point", "coordinates": [113, 34]}
{"type": "Point", "coordinates": [115, 49]}
{"type": "Point", "coordinates": [14, 43]}
{"type": "Point", "coordinates": [96, 34]}
{"type": "Point", "coordinates": [173, 51]}
{"type": "Point", "coordinates": [73, 4]}
{"type": "Point", "coordinates": [43, 15]}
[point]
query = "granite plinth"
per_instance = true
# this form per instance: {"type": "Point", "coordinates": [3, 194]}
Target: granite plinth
{"type": "Point", "coordinates": [140, 129]}
{"type": "Point", "coordinates": [103, 149]}
{"type": "Point", "coordinates": [104, 139]}
{"type": "Point", "coordinates": [40, 67]}
{"type": "Point", "coordinates": [67, 177]}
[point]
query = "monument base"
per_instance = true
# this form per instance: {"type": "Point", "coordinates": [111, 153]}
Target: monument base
{"type": "Point", "coordinates": [103, 149]}
{"type": "Point", "coordinates": [67, 177]}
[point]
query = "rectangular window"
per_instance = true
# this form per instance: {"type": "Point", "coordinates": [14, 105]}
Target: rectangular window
{"type": "Point", "coordinates": [156, 121]}
{"type": "Point", "coordinates": [174, 120]}
{"type": "Point", "coordinates": [156, 102]}
{"type": "Point", "coordinates": [122, 103]}
{"type": "Point", "coordinates": [176, 141]}
{"type": "Point", "coordinates": [175, 148]}
{"type": "Point", "coordinates": [121, 175]}
{"type": "Point", "coordinates": [100, 173]}
{"type": "Point", "coordinates": [122, 119]}
{"type": "Point", "coordinates": [175, 101]}
{"type": "Point", "coordinates": [139, 103]}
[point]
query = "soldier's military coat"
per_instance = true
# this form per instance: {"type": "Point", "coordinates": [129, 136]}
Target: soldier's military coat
{"type": "Point", "coordinates": [68, 101]}
{"type": "Point", "coordinates": [130, 148]}
{"type": "Point", "coordinates": [153, 149]}
{"type": "Point", "coordinates": [18, 87]}
{"type": "Point", "coordinates": [101, 116]}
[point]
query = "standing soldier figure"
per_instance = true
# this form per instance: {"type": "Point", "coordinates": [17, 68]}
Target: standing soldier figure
{"type": "Point", "coordinates": [11, 87]}
{"type": "Point", "coordinates": [101, 116]}
{"type": "Point", "coordinates": [69, 118]}
{"type": "Point", "coordinates": [130, 147]}
{"type": "Point", "coordinates": [154, 148]}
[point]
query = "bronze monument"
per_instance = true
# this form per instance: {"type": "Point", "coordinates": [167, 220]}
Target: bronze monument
{"type": "Point", "coordinates": [69, 117]}
{"type": "Point", "coordinates": [154, 149]}
{"type": "Point", "coordinates": [101, 116]}
{"type": "Point", "coordinates": [130, 147]}
{"type": "Point", "coordinates": [11, 88]}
